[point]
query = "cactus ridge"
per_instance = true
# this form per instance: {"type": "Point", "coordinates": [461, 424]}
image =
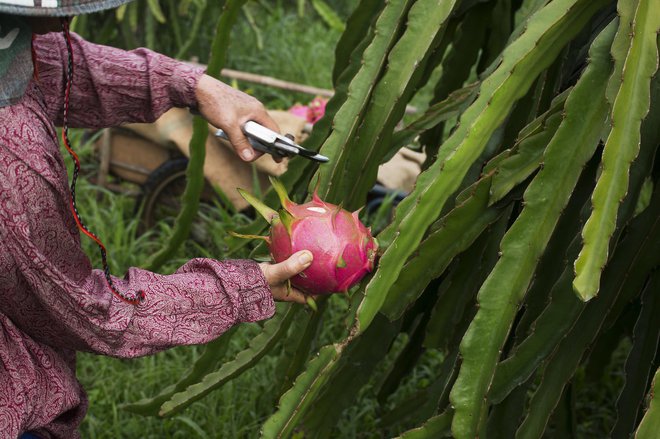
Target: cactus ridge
{"type": "Point", "coordinates": [213, 352]}
{"type": "Point", "coordinates": [272, 332]}
{"type": "Point", "coordinates": [634, 68]}
{"type": "Point", "coordinates": [625, 276]}
{"type": "Point", "coordinates": [305, 389]}
{"type": "Point", "coordinates": [524, 242]}
{"type": "Point", "coordinates": [650, 424]}
{"type": "Point", "coordinates": [403, 69]}
{"type": "Point", "coordinates": [639, 364]}
{"type": "Point", "coordinates": [535, 49]}
{"type": "Point", "coordinates": [474, 211]}
{"type": "Point", "coordinates": [346, 120]}
{"type": "Point", "coordinates": [437, 426]}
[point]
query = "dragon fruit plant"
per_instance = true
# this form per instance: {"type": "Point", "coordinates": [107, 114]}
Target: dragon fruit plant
{"type": "Point", "coordinates": [343, 248]}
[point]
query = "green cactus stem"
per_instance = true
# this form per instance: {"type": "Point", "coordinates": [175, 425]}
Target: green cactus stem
{"type": "Point", "coordinates": [544, 199]}
{"type": "Point", "coordinates": [637, 63]}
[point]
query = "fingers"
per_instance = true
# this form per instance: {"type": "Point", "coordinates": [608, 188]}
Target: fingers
{"type": "Point", "coordinates": [267, 121]}
{"type": "Point", "coordinates": [241, 144]}
{"type": "Point", "coordinates": [279, 273]}
{"type": "Point", "coordinates": [277, 276]}
{"type": "Point", "coordinates": [291, 295]}
{"type": "Point", "coordinates": [227, 108]}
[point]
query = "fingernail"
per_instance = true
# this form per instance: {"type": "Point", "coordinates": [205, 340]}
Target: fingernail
{"type": "Point", "coordinates": [305, 258]}
{"type": "Point", "coordinates": [247, 154]}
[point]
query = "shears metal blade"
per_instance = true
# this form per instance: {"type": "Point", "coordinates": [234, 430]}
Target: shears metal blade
{"type": "Point", "coordinates": [266, 140]}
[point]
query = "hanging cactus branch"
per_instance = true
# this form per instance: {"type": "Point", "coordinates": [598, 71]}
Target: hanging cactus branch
{"type": "Point", "coordinates": [541, 180]}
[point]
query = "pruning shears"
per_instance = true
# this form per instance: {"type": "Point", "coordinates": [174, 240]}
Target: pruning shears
{"type": "Point", "coordinates": [266, 140]}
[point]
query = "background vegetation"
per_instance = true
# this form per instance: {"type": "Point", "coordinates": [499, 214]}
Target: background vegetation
{"type": "Point", "coordinates": [472, 325]}
{"type": "Point", "coordinates": [294, 48]}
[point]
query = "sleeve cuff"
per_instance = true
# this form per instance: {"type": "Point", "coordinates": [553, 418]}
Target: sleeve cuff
{"type": "Point", "coordinates": [255, 299]}
{"type": "Point", "coordinates": [184, 81]}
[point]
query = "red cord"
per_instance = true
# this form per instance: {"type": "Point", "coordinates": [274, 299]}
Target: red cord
{"type": "Point", "coordinates": [133, 298]}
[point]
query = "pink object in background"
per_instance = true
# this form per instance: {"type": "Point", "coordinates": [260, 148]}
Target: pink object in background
{"type": "Point", "coordinates": [311, 112]}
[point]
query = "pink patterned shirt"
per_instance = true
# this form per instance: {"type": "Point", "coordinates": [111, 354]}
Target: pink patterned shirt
{"type": "Point", "coordinates": [52, 302]}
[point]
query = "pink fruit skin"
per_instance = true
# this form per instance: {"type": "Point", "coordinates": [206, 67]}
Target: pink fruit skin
{"type": "Point", "coordinates": [343, 248]}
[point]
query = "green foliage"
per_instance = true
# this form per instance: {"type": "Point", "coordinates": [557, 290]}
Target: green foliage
{"type": "Point", "coordinates": [194, 172]}
{"type": "Point", "coordinates": [636, 65]}
{"type": "Point", "coordinates": [273, 330]}
{"type": "Point", "coordinates": [651, 422]}
{"type": "Point", "coordinates": [536, 116]}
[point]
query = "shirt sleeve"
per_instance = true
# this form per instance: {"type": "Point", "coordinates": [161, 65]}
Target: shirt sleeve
{"type": "Point", "coordinates": [111, 86]}
{"type": "Point", "coordinates": [58, 298]}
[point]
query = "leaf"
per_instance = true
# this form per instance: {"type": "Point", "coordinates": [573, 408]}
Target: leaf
{"type": "Point", "coordinates": [460, 288]}
{"type": "Point", "coordinates": [473, 213]}
{"type": "Point", "coordinates": [498, 35]}
{"type": "Point", "coordinates": [120, 12]}
{"type": "Point", "coordinates": [524, 243]}
{"type": "Point", "coordinates": [457, 66]}
{"type": "Point", "coordinates": [249, 16]}
{"type": "Point", "coordinates": [328, 15]}
{"type": "Point", "coordinates": [200, 14]}
{"type": "Point", "coordinates": [504, 417]}
{"type": "Point", "coordinates": [133, 16]}
{"type": "Point", "coordinates": [355, 368]}
{"type": "Point", "coordinates": [458, 230]}
{"type": "Point", "coordinates": [266, 212]}
{"type": "Point", "coordinates": [528, 153]}
{"type": "Point", "coordinates": [442, 111]}
{"type": "Point", "coordinates": [553, 267]}
{"type": "Point", "coordinates": [622, 146]}
{"type": "Point", "coordinates": [551, 314]}
{"type": "Point", "coordinates": [302, 342]}
{"type": "Point", "coordinates": [154, 7]}
{"type": "Point", "coordinates": [304, 391]}
{"type": "Point", "coordinates": [405, 361]}
{"type": "Point", "coordinates": [272, 332]}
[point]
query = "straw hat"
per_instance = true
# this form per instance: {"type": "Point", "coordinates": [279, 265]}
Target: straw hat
{"type": "Point", "coordinates": [56, 8]}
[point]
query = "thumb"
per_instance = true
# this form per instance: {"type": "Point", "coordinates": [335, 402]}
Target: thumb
{"type": "Point", "coordinates": [241, 144]}
{"type": "Point", "coordinates": [278, 273]}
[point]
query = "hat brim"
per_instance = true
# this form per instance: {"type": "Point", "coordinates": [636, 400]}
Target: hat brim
{"type": "Point", "coordinates": [57, 8]}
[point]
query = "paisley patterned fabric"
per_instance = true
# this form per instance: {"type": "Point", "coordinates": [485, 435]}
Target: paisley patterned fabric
{"type": "Point", "coordinates": [52, 302]}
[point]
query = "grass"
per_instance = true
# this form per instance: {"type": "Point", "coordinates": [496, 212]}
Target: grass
{"type": "Point", "coordinates": [297, 49]}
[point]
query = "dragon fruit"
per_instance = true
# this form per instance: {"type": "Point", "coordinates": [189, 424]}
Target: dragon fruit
{"type": "Point", "coordinates": [343, 248]}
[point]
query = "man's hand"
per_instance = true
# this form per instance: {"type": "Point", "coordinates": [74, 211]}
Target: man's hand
{"type": "Point", "coordinates": [228, 109]}
{"type": "Point", "coordinates": [277, 275]}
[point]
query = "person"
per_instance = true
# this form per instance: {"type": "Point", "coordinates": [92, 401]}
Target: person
{"type": "Point", "coordinates": [53, 303]}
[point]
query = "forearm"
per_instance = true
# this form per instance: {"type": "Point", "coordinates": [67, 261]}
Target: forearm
{"type": "Point", "coordinates": [195, 305]}
{"type": "Point", "coordinates": [112, 86]}
{"type": "Point", "coordinates": [57, 297]}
